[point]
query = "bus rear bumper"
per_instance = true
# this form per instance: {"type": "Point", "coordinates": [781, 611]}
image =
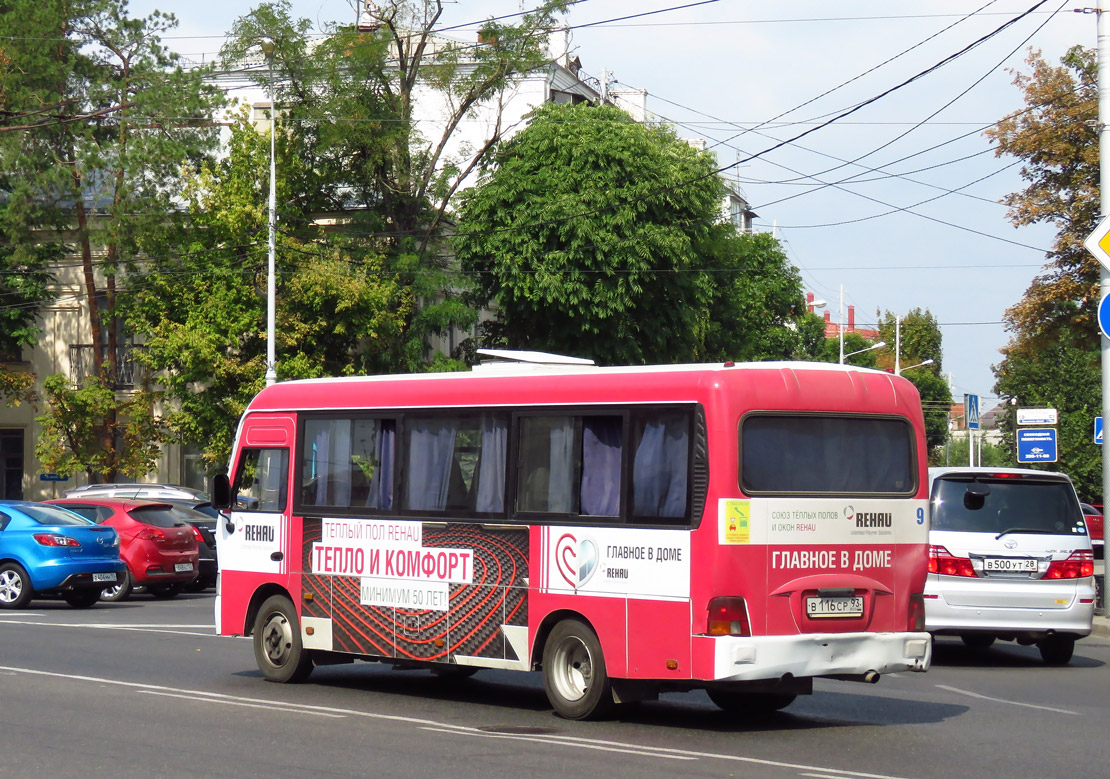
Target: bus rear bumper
{"type": "Point", "coordinates": [845, 655]}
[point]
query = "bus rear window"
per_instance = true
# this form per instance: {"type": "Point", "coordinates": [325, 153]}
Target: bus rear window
{"type": "Point", "coordinates": [826, 455]}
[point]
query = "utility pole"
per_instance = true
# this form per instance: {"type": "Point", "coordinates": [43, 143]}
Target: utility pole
{"type": "Point", "coordinates": [840, 324]}
{"type": "Point", "coordinates": [897, 345]}
{"type": "Point", "coordinates": [1104, 208]}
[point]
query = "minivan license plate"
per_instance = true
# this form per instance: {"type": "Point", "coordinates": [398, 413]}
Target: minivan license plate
{"type": "Point", "coordinates": [851, 606]}
{"type": "Point", "coordinates": [1014, 564]}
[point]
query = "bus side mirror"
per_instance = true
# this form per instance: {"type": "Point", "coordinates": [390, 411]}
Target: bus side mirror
{"type": "Point", "coordinates": [975, 496]}
{"type": "Point", "coordinates": [221, 491]}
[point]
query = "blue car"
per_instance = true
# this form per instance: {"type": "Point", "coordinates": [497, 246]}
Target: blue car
{"type": "Point", "coordinates": [48, 550]}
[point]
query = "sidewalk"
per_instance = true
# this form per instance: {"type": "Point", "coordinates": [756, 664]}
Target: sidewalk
{"type": "Point", "coordinates": [1102, 627]}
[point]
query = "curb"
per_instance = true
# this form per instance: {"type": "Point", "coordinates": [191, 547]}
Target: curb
{"type": "Point", "coordinates": [1101, 627]}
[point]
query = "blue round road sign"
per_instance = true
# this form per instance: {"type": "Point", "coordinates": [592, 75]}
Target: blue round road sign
{"type": "Point", "coordinates": [1104, 315]}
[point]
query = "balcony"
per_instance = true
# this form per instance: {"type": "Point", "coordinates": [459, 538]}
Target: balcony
{"type": "Point", "coordinates": [127, 369]}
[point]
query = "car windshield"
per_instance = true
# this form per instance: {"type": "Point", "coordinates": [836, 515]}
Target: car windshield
{"type": "Point", "coordinates": [1011, 505]}
{"type": "Point", "coordinates": [53, 515]}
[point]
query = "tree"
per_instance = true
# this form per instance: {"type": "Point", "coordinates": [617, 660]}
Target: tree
{"type": "Point", "coordinates": [1052, 358]}
{"type": "Point", "coordinates": [352, 102]}
{"type": "Point", "coordinates": [130, 117]}
{"type": "Point", "coordinates": [33, 77]}
{"type": "Point", "coordinates": [202, 305]}
{"type": "Point", "coordinates": [368, 293]}
{"type": "Point", "coordinates": [918, 337]}
{"type": "Point", "coordinates": [593, 235]}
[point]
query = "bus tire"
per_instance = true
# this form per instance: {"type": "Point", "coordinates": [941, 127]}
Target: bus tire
{"type": "Point", "coordinates": [278, 650]}
{"type": "Point", "coordinates": [751, 704]}
{"type": "Point", "coordinates": [574, 675]}
{"type": "Point", "coordinates": [1056, 650]}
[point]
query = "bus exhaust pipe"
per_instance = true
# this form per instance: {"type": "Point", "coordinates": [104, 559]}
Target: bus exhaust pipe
{"type": "Point", "coordinates": [867, 677]}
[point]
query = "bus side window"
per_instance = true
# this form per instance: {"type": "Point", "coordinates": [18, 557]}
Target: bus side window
{"type": "Point", "coordinates": [571, 465]}
{"type": "Point", "coordinates": [262, 480]}
{"type": "Point", "coordinates": [660, 466]}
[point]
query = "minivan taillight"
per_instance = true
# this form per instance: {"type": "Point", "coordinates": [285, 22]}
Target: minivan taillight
{"type": "Point", "coordinates": [728, 617]}
{"type": "Point", "coordinates": [1080, 565]}
{"type": "Point", "coordinates": [947, 564]}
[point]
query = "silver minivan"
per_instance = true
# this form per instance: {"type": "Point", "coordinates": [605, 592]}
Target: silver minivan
{"type": "Point", "coordinates": [1009, 559]}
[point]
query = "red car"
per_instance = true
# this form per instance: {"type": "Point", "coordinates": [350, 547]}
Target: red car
{"type": "Point", "coordinates": [1093, 516]}
{"type": "Point", "coordinates": [159, 548]}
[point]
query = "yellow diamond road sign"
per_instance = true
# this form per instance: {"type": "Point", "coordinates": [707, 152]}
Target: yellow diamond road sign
{"type": "Point", "coordinates": [1098, 242]}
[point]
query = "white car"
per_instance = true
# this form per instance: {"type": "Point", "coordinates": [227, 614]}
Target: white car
{"type": "Point", "coordinates": [1009, 559]}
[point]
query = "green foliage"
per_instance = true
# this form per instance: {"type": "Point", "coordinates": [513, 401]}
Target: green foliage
{"type": "Point", "coordinates": [33, 78]}
{"type": "Point", "coordinates": [128, 442]}
{"type": "Point", "coordinates": [955, 452]}
{"type": "Point", "coordinates": [1053, 357]}
{"type": "Point", "coordinates": [1069, 380]}
{"type": "Point", "coordinates": [593, 235]}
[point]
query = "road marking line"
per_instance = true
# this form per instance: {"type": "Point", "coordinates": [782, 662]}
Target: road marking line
{"type": "Point", "coordinates": [269, 707]}
{"type": "Point", "coordinates": [559, 741]}
{"type": "Point", "coordinates": [170, 629]}
{"type": "Point", "coordinates": [569, 741]}
{"type": "Point", "coordinates": [1003, 700]}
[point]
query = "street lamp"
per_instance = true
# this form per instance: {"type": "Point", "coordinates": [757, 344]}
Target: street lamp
{"type": "Point", "coordinates": [900, 371]}
{"type": "Point", "coordinates": [268, 47]}
{"type": "Point", "coordinates": [878, 345]}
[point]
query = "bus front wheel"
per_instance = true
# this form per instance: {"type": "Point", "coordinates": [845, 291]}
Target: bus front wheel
{"type": "Point", "coordinates": [277, 642]}
{"type": "Point", "coordinates": [574, 675]}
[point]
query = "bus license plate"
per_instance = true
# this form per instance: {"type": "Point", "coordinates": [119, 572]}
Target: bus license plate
{"type": "Point", "coordinates": [835, 607]}
{"type": "Point", "coordinates": [104, 577]}
{"type": "Point", "coordinates": [1022, 564]}
{"type": "Point", "coordinates": [183, 567]}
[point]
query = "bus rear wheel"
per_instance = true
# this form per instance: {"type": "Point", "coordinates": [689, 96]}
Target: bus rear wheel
{"type": "Point", "coordinates": [750, 704]}
{"type": "Point", "coordinates": [574, 675]}
{"type": "Point", "coordinates": [278, 650]}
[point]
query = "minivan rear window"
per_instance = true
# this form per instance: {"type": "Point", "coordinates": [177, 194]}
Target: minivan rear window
{"type": "Point", "coordinates": [1032, 505]}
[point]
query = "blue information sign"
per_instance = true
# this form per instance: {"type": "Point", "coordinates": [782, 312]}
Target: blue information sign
{"type": "Point", "coordinates": [971, 411]}
{"type": "Point", "coordinates": [52, 477]}
{"type": "Point", "coordinates": [1098, 430]}
{"type": "Point", "coordinates": [1036, 445]}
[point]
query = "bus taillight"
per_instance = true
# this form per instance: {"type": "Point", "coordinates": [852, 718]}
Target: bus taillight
{"type": "Point", "coordinates": [728, 617]}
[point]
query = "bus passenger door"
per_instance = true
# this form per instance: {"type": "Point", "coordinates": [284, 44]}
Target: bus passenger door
{"type": "Point", "coordinates": [253, 538]}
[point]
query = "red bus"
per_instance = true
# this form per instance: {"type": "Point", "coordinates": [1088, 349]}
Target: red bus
{"type": "Point", "coordinates": [741, 528]}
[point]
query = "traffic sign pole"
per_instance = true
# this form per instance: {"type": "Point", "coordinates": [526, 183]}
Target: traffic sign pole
{"type": "Point", "coordinates": [1104, 206]}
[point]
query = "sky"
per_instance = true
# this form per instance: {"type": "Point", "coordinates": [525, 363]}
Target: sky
{"type": "Point", "coordinates": [892, 207]}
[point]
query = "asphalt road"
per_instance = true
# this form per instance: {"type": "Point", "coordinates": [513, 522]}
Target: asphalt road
{"type": "Point", "coordinates": [144, 688]}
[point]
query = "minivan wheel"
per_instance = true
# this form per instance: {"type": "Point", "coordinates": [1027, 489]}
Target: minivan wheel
{"type": "Point", "coordinates": [977, 640]}
{"type": "Point", "coordinates": [1056, 650]}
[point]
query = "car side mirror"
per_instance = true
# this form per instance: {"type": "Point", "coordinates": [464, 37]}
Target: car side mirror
{"type": "Point", "coordinates": [221, 492]}
{"type": "Point", "coordinates": [975, 496]}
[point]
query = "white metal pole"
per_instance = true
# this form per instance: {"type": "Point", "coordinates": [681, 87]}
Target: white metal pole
{"type": "Point", "coordinates": [840, 324]}
{"type": "Point", "coordinates": [1104, 207]}
{"type": "Point", "coordinates": [897, 345]}
{"type": "Point", "coordinates": [271, 283]}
